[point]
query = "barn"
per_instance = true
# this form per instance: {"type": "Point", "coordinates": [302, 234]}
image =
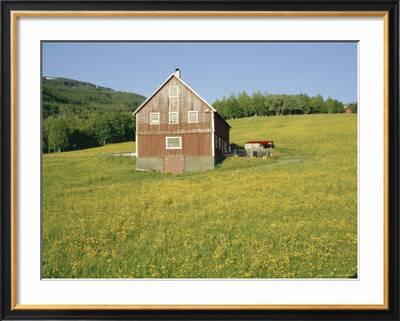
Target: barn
{"type": "Point", "coordinates": [348, 109]}
{"type": "Point", "coordinates": [178, 131]}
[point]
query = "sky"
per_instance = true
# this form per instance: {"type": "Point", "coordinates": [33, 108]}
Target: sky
{"type": "Point", "coordinates": [214, 70]}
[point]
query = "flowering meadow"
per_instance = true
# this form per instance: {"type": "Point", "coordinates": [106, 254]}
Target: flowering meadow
{"type": "Point", "coordinates": [291, 216]}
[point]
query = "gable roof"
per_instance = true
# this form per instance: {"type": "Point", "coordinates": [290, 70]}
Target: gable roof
{"type": "Point", "coordinates": [188, 87]}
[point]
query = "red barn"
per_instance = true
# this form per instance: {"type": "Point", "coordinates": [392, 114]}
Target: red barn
{"type": "Point", "coordinates": [348, 109]}
{"type": "Point", "coordinates": [178, 131]}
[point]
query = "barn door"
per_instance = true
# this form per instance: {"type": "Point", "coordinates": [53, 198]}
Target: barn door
{"type": "Point", "coordinates": [174, 164]}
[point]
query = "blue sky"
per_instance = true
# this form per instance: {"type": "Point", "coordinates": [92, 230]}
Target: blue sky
{"type": "Point", "coordinates": [214, 70]}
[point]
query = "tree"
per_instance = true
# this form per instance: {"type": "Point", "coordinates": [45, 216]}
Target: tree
{"type": "Point", "coordinates": [102, 128]}
{"type": "Point", "coordinates": [243, 105]}
{"type": "Point", "coordinates": [111, 127]}
{"type": "Point", "coordinates": [334, 106]}
{"type": "Point", "coordinates": [58, 134]}
{"type": "Point", "coordinates": [259, 103]}
{"type": "Point", "coordinates": [317, 104]}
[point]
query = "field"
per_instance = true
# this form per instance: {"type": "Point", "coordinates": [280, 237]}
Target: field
{"type": "Point", "coordinates": [292, 216]}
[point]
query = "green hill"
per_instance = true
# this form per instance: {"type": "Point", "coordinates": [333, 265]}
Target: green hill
{"type": "Point", "coordinates": [292, 216]}
{"type": "Point", "coordinates": [80, 115]}
{"type": "Point", "coordinates": [61, 95]}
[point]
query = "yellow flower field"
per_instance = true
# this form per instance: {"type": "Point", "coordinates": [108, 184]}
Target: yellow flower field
{"type": "Point", "coordinates": [292, 216]}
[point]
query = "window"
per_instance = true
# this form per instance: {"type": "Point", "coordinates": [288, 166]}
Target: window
{"type": "Point", "coordinates": [193, 116]}
{"type": "Point", "coordinates": [173, 142]}
{"type": "Point", "coordinates": [154, 118]}
{"type": "Point", "coordinates": [173, 117]}
{"type": "Point", "coordinates": [173, 92]}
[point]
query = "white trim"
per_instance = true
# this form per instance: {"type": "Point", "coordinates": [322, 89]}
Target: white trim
{"type": "Point", "coordinates": [212, 134]}
{"type": "Point", "coordinates": [180, 142]}
{"type": "Point", "coordinates": [177, 118]}
{"type": "Point", "coordinates": [197, 116]}
{"type": "Point", "coordinates": [158, 120]}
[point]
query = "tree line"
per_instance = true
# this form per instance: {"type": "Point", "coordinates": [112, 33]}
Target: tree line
{"type": "Point", "coordinates": [79, 115]}
{"type": "Point", "coordinates": [245, 105]}
{"type": "Point", "coordinates": [68, 131]}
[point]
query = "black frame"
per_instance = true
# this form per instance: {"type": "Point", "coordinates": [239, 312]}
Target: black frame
{"type": "Point", "coordinates": [392, 6]}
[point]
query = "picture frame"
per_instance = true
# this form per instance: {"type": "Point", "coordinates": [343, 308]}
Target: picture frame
{"type": "Point", "coordinates": [12, 153]}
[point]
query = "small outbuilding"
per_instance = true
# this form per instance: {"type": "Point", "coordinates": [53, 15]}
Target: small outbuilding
{"type": "Point", "coordinates": [177, 130]}
{"type": "Point", "coordinates": [259, 148]}
{"type": "Point", "coordinates": [348, 109]}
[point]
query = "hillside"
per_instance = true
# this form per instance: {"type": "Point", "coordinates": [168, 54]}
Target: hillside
{"type": "Point", "coordinates": [292, 216]}
{"type": "Point", "coordinates": [67, 95]}
{"type": "Point", "coordinates": [79, 115]}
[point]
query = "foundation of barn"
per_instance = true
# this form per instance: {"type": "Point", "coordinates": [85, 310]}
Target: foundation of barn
{"type": "Point", "coordinates": [190, 164]}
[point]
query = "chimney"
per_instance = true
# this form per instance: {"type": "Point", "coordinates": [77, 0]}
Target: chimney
{"type": "Point", "coordinates": [177, 73]}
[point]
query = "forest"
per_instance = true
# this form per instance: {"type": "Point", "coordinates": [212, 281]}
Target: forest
{"type": "Point", "coordinates": [245, 105]}
{"type": "Point", "coordinates": [78, 115]}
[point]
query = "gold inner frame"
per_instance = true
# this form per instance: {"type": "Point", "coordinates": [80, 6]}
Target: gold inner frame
{"type": "Point", "coordinates": [55, 14]}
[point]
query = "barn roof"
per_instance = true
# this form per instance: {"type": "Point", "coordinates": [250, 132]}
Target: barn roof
{"type": "Point", "coordinates": [188, 87]}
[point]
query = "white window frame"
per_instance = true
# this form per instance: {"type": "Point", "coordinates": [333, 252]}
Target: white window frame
{"type": "Point", "coordinates": [177, 117]}
{"type": "Point", "coordinates": [158, 119]}
{"type": "Point", "coordinates": [197, 116]}
{"type": "Point", "coordinates": [173, 137]}
{"type": "Point", "coordinates": [177, 92]}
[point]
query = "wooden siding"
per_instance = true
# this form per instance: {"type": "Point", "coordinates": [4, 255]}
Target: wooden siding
{"type": "Point", "coordinates": [187, 101]}
{"type": "Point", "coordinates": [221, 128]}
{"type": "Point", "coordinates": [196, 137]}
{"type": "Point", "coordinates": [222, 131]}
{"type": "Point", "coordinates": [197, 144]}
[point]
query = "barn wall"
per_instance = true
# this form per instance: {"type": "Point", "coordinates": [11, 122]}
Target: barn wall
{"type": "Point", "coordinates": [197, 157]}
{"type": "Point", "coordinates": [193, 144]}
{"type": "Point", "coordinates": [191, 163]}
{"type": "Point", "coordinates": [187, 101]}
{"type": "Point", "coordinates": [150, 163]}
{"type": "Point", "coordinates": [196, 138]}
{"type": "Point", "coordinates": [221, 130]}
{"type": "Point", "coordinates": [199, 163]}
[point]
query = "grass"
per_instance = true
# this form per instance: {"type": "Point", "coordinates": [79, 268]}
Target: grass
{"type": "Point", "coordinates": [292, 216]}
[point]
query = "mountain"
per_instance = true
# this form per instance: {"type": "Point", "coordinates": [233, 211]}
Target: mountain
{"type": "Point", "coordinates": [62, 95]}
